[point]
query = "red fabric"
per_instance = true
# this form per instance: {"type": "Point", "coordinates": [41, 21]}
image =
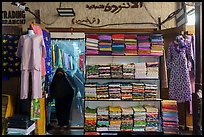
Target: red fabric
{"type": "Point", "coordinates": [118, 36]}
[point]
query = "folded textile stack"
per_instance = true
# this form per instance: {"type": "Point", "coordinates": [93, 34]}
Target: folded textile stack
{"type": "Point", "coordinates": [140, 70]}
{"type": "Point", "coordinates": [92, 133]}
{"type": "Point", "coordinates": [92, 71]}
{"type": "Point", "coordinates": [90, 119]}
{"type": "Point", "coordinates": [152, 118]}
{"type": "Point", "coordinates": [90, 91]}
{"type": "Point", "coordinates": [127, 119]}
{"type": "Point", "coordinates": [126, 91]}
{"type": "Point", "coordinates": [170, 117]}
{"type": "Point", "coordinates": [130, 44]}
{"type": "Point", "coordinates": [150, 91]}
{"type": "Point", "coordinates": [102, 119]}
{"type": "Point", "coordinates": [91, 44]}
{"type": "Point", "coordinates": [118, 46]}
{"type": "Point", "coordinates": [139, 118]}
{"type": "Point", "coordinates": [104, 45]}
{"type": "Point", "coordinates": [104, 71]}
{"type": "Point", "coordinates": [138, 91]}
{"type": "Point", "coordinates": [115, 118]}
{"type": "Point", "coordinates": [20, 125]}
{"type": "Point", "coordinates": [157, 44]}
{"type": "Point", "coordinates": [114, 91]}
{"type": "Point", "coordinates": [143, 45]}
{"type": "Point", "coordinates": [129, 71]}
{"type": "Point", "coordinates": [116, 71]}
{"type": "Point", "coordinates": [152, 69]}
{"type": "Point", "coordinates": [102, 91]}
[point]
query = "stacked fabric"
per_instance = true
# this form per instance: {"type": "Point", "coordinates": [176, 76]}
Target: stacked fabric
{"type": "Point", "coordinates": [152, 69]}
{"type": "Point", "coordinates": [118, 45]}
{"type": "Point", "coordinates": [140, 70]}
{"type": "Point", "coordinates": [104, 46]}
{"type": "Point", "coordinates": [130, 44]}
{"type": "Point", "coordinates": [115, 118]}
{"type": "Point", "coordinates": [152, 118]}
{"type": "Point", "coordinates": [143, 45]}
{"type": "Point", "coordinates": [92, 133]}
{"type": "Point", "coordinates": [19, 125]}
{"type": "Point", "coordinates": [139, 118]}
{"type": "Point", "coordinates": [92, 71]}
{"type": "Point", "coordinates": [114, 91]}
{"type": "Point", "coordinates": [102, 91]}
{"type": "Point", "coordinates": [102, 119]}
{"type": "Point", "coordinates": [104, 71]}
{"type": "Point", "coordinates": [91, 44]}
{"type": "Point", "coordinates": [126, 91]}
{"type": "Point", "coordinates": [138, 91]}
{"type": "Point", "coordinates": [129, 71]}
{"type": "Point", "coordinates": [116, 71]}
{"type": "Point", "coordinates": [90, 119]}
{"type": "Point", "coordinates": [170, 117]}
{"type": "Point", "coordinates": [150, 91]}
{"type": "Point", "coordinates": [90, 91]}
{"type": "Point", "coordinates": [127, 119]}
{"type": "Point", "coordinates": [157, 44]}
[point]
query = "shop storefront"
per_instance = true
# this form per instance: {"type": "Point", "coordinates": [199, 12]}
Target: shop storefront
{"type": "Point", "coordinates": [101, 68]}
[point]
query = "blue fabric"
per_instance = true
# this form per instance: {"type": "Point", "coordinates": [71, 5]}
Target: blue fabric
{"type": "Point", "coordinates": [48, 60]}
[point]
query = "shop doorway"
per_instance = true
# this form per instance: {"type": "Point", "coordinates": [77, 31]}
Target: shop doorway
{"type": "Point", "coordinates": [68, 50]}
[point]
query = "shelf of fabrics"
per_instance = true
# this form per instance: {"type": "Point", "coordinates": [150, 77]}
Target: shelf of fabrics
{"type": "Point", "coordinates": [109, 118]}
{"type": "Point", "coordinates": [122, 91]}
{"type": "Point", "coordinates": [124, 44]}
{"type": "Point", "coordinates": [142, 70]}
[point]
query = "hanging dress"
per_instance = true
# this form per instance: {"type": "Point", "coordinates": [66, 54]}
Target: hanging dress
{"type": "Point", "coordinates": [178, 60]}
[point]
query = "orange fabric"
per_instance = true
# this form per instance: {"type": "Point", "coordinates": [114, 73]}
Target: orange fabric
{"type": "Point", "coordinates": [42, 121]}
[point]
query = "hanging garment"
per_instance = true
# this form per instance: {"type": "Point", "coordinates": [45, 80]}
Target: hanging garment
{"type": "Point", "coordinates": [30, 50]}
{"type": "Point", "coordinates": [190, 40]}
{"type": "Point", "coordinates": [10, 63]}
{"type": "Point", "coordinates": [48, 61]}
{"type": "Point", "coordinates": [179, 55]}
{"type": "Point", "coordinates": [37, 30]}
{"type": "Point", "coordinates": [36, 84]}
{"type": "Point", "coordinates": [61, 89]}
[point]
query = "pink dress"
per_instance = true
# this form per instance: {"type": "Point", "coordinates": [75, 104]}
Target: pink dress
{"type": "Point", "coordinates": [38, 30]}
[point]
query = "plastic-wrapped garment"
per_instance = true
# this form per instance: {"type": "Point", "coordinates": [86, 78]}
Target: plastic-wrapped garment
{"type": "Point", "coordinates": [77, 117]}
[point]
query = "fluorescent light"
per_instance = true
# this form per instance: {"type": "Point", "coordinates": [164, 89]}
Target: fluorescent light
{"type": "Point", "coordinates": [66, 12]}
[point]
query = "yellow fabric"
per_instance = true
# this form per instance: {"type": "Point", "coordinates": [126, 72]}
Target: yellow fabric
{"type": "Point", "coordinates": [53, 55]}
{"type": "Point", "coordinates": [41, 122]}
{"type": "Point", "coordinates": [10, 106]}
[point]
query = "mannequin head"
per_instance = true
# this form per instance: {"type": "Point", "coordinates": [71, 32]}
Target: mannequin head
{"type": "Point", "coordinates": [31, 32]}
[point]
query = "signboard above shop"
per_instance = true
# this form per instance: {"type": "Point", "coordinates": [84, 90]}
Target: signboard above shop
{"type": "Point", "coordinates": [13, 17]}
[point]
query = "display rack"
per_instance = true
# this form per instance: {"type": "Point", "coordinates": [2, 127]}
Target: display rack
{"type": "Point", "coordinates": [124, 59]}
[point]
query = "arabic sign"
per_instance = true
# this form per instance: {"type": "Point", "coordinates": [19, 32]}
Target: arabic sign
{"type": "Point", "coordinates": [85, 21]}
{"type": "Point", "coordinates": [114, 8]}
{"type": "Point", "coordinates": [13, 17]}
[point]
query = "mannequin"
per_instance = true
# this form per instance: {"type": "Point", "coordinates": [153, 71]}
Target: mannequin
{"type": "Point", "coordinates": [30, 32]}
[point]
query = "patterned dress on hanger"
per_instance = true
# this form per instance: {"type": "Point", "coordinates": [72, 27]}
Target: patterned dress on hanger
{"type": "Point", "coordinates": [178, 62]}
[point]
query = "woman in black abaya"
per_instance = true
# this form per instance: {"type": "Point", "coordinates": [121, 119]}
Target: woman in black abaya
{"type": "Point", "coordinates": [62, 90]}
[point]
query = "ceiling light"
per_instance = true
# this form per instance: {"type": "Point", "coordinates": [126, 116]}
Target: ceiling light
{"type": "Point", "coordinates": [66, 12]}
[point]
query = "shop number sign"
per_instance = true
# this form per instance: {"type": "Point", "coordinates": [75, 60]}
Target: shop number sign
{"type": "Point", "coordinates": [13, 17]}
